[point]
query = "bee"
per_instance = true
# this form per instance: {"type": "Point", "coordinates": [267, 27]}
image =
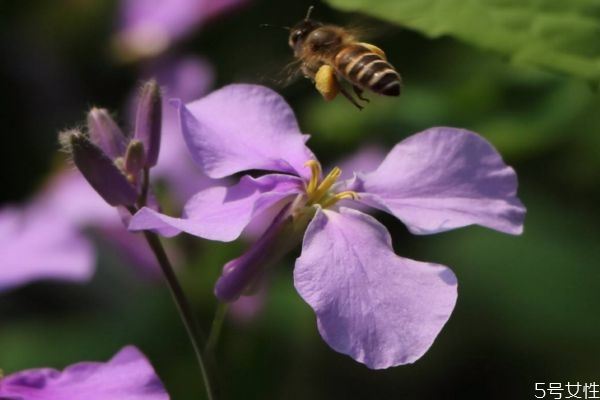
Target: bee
{"type": "Point", "coordinates": [330, 54]}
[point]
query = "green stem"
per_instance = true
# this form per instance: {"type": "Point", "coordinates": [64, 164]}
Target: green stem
{"type": "Point", "coordinates": [216, 327]}
{"type": "Point", "coordinates": [145, 187]}
{"type": "Point", "coordinates": [183, 306]}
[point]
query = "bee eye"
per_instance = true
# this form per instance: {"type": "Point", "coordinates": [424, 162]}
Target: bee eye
{"type": "Point", "coordinates": [296, 36]}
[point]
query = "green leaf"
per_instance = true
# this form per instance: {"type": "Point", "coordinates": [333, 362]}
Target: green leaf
{"type": "Point", "coordinates": [559, 35]}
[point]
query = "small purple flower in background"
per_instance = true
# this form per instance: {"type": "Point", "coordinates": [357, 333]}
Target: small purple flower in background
{"type": "Point", "coordinates": [46, 238]}
{"type": "Point", "coordinates": [69, 196]}
{"type": "Point", "coordinates": [149, 27]}
{"type": "Point", "coordinates": [381, 309]}
{"type": "Point", "coordinates": [366, 159]}
{"type": "Point", "coordinates": [126, 376]}
{"type": "Point", "coordinates": [247, 308]}
{"type": "Point", "coordinates": [35, 245]}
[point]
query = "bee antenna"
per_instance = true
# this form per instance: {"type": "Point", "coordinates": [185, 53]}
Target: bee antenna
{"type": "Point", "coordinates": [310, 10]}
{"type": "Point", "coordinates": [287, 28]}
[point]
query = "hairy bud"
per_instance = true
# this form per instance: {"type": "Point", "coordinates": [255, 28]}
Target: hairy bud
{"type": "Point", "coordinates": [148, 121]}
{"type": "Point", "coordinates": [240, 275]}
{"type": "Point", "coordinates": [105, 133]}
{"type": "Point", "coordinates": [99, 170]}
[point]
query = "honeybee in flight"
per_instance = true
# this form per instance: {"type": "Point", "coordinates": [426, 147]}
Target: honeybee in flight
{"type": "Point", "coordinates": [330, 53]}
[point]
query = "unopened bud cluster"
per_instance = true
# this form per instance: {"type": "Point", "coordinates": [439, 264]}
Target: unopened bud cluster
{"type": "Point", "coordinates": [112, 162]}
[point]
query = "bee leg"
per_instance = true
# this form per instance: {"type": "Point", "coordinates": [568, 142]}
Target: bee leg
{"type": "Point", "coordinates": [374, 49]}
{"type": "Point", "coordinates": [358, 91]}
{"type": "Point", "coordinates": [326, 82]}
{"type": "Point", "coordinates": [349, 97]}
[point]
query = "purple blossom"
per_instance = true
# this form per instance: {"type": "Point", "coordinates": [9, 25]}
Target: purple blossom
{"type": "Point", "coordinates": [381, 309]}
{"type": "Point", "coordinates": [247, 308]}
{"type": "Point", "coordinates": [46, 238]}
{"type": "Point", "coordinates": [126, 376]}
{"type": "Point", "coordinates": [41, 246]}
{"type": "Point", "coordinates": [149, 27]}
{"type": "Point", "coordinates": [366, 159]}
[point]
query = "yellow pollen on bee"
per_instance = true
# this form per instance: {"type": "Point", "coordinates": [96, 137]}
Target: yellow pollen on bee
{"type": "Point", "coordinates": [318, 191]}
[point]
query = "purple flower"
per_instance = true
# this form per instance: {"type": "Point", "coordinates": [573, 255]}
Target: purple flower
{"type": "Point", "coordinates": [126, 376]}
{"type": "Point", "coordinates": [148, 27]}
{"type": "Point", "coordinates": [45, 239]}
{"type": "Point", "coordinates": [366, 159]}
{"type": "Point", "coordinates": [35, 245]}
{"type": "Point", "coordinates": [247, 308]}
{"type": "Point", "coordinates": [381, 309]}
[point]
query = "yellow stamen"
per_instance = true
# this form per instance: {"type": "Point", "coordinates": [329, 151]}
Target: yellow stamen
{"type": "Point", "coordinates": [325, 185]}
{"type": "Point", "coordinates": [317, 190]}
{"type": "Point", "coordinates": [340, 196]}
{"type": "Point", "coordinates": [315, 169]}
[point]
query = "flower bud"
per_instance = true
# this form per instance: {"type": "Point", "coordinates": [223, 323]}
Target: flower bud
{"type": "Point", "coordinates": [148, 121]}
{"type": "Point", "coordinates": [134, 158]}
{"type": "Point", "coordinates": [105, 132]}
{"type": "Point", "coordinates": [99, 170]}
{"type": "Point", "coordinates": [241, 274]}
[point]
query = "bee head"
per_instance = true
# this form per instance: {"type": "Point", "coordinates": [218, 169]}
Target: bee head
{"type": "Point", "coordinates": [302, 29]}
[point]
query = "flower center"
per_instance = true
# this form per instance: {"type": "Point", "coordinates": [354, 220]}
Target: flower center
{"type": "Point", "coordinates": [318, 191]}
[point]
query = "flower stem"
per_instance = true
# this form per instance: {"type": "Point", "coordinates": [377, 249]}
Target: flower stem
{"type": "Point", "coordinates": [183, 306]}
{"type": "Point", "coordinates": [145, 187]}
{"type": "Point", "coordinates": [216, 327]}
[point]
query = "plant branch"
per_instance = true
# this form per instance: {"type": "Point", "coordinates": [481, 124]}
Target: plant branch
{"type": "Point", "coordinates": [215, 329]}
{"type": "Point", "coordinates": [183, 306]}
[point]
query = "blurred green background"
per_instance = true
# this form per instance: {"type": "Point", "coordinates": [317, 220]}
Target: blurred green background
{"type": "Point", "coordinates": [528, 306]}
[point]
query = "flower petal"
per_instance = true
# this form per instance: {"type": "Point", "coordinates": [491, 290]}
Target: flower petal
{"type": "Point", "coordinates": [149, 27]}
{"type": "Point", "coordinates": [445, 178]}
{"type": "Point", "coordinates": [37, 246]}
{"type": "Point", "coordinates": [380, 309]}
{"type": "Point", "coordinates": [69, 195]}
{"type": "Point", "coordinates": [221, 213]}
{"type": "Point", "coordinates": [127, 376]}
{"type": "Point", "coordinates": [244, 127]}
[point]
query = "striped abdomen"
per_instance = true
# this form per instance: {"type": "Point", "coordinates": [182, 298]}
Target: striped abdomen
{"type": "Point", "coordinates": [367, 70]}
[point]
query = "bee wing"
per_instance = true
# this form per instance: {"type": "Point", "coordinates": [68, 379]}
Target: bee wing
{"type": "Point", "coordinates": [289, 73]}
{"type": "Point", "coordinates": [364, 30]}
